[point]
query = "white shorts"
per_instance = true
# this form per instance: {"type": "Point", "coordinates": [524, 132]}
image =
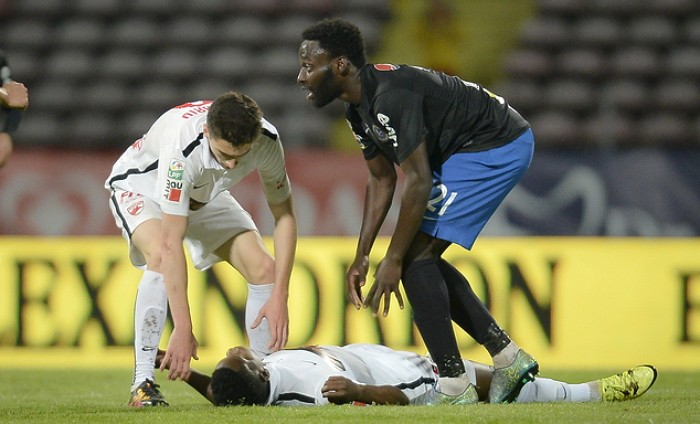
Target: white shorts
{"type": "Point", "coordinates": [207, 229]}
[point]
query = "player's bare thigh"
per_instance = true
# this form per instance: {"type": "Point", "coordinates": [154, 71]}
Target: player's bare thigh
{"type": "Point", "coordinates": [247, 253]}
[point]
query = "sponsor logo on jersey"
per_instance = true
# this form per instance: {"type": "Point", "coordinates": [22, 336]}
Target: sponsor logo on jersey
{"type": "Point", "coordinates": [196, 108]}
{"type": "Point", "coordinates": [176, 169]}
{"type": "Point", "coordinates": [173, 190]}
{"type": "Point", "coordinates": [384, 134]}
{"type": "Point", "coordinates": [385, 67]}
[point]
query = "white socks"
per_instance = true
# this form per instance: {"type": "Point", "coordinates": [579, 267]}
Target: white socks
{"type": "Point", "coordinates": [506, 357]}
{"type": "Point", "coordinates": [259, 338]}
{"type": "Point", "coordinates": [547, 390]}
{"type": "Point", "coordinates": [454, 386]}
{"type": "Point", "coordinates": [149, 319]}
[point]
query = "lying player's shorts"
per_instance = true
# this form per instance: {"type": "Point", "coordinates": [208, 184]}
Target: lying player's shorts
{"type": "Point", "coordinates": [208, 227]}
{"type": "Point", "coordinates": [469, 186]}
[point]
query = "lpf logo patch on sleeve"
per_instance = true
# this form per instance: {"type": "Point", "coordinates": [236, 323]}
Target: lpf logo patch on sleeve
{"type": "Point", "coordinates": [176, 169]}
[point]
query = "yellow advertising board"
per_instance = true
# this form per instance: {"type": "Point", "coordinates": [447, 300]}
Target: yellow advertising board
{"type": "Point", "coordinates": [572, 302]}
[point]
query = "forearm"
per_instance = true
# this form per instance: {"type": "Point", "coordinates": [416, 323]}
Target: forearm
{"type": "Point", "coordinates": [381, 395]}
{"type": "Point", "coordinates": [174, 269]}
{"type": "Point", "coordinates": [201, 383]}
{"type": "Point", "coordinates": [413, 201]}
{"type": "Point", "coordinates": [378, 198]}
{"type": "Point", "coordinates": [285, 244]}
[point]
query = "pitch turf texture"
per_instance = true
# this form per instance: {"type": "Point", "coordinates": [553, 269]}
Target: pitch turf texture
{"type": "Point", "coordinates": [91, 396]}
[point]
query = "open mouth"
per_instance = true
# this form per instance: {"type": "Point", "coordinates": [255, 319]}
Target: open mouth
{"type": "Point", "coordinates": [309, 94]}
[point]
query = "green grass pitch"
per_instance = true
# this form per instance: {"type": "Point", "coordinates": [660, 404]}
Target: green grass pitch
{"type": "Point", "coordinates": [100, 396]}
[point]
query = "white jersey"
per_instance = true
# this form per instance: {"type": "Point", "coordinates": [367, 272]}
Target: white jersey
{"type": "Point", "coordinates": [172, 163]}
{"type": "Point", "coordinates": [297, 375]}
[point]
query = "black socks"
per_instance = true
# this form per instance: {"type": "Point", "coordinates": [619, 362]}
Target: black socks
{"type": "Point", "coordinates": [439, 294]}
{"type": "Point", "coordinates": [470, 313]}
{"type": "Point", "coordinates": [427, 292]}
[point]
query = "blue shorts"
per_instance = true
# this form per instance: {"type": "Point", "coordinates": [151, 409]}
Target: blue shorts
{"type": "Point", "coordinates": [469, 186]}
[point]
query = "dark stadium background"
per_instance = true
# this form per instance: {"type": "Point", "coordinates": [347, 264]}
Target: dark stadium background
{"type": "Point", "coordinates": [610, 87]}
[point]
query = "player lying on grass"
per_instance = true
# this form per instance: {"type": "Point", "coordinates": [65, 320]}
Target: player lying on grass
{"type": "Point", "coordinates": [376, 374]}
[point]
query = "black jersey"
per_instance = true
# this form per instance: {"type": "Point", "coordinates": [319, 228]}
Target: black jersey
{"type": "Point", "coordinates": [403, 104]}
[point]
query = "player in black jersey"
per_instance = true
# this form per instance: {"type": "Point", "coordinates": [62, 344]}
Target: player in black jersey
{"type": "Point", "coordinates": [14, 98]}
{"type": "Point", "coordinates": [461, 149]}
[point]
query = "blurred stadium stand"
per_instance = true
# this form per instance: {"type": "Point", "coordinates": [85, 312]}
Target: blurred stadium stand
{"type": "Point", "coordinates": [586, 73]}
{"type": "Point", "coordinates": [101, 71]}
{"type": "Point", "coordinates": [611, 73]}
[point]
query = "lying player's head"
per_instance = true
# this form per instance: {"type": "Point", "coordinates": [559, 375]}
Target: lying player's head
{"type": "Point", "coordinates": [326, 53]}
{"type": "Point", "coordinates": [240, 379]}
{"type": "Point", "coordinates": [235, 118]}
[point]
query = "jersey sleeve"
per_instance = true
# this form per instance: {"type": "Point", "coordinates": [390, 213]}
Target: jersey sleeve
{"type": "Point", "coordinates": [176, 175]}
{"type": "Point", "coordinates": [369, 149]}
{"type": "Point", "coordinates": [400, 112]}
{"type": "Point", "coordinates": [273, 171]}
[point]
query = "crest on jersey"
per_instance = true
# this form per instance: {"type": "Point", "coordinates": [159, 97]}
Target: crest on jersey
{"type": "Point", "coordinates": [135, 208]}
{"type": "Point", "coordinates": [385, 67]}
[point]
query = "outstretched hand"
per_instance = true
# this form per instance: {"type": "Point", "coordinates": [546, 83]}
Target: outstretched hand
{"type": "Point", "coordinates": [277, 314]}
{"type": "Point", "coordinates": [182, 347]}
{"type": "Point", "coordinates": [355, 280]}
{"type": "Point", "coordinates": [386, 282]}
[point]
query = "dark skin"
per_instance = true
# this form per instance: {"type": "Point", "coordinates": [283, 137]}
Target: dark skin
{"type": "Point", "coordinates": [339, 390]}
{"type": "Point", "coordinates": [328, 79]}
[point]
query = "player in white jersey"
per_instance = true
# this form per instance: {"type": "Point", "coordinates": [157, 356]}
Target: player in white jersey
{"type": "Point", "coordinates": [171, 187]}
{"type": "Point", "coordinates": [366, 374]}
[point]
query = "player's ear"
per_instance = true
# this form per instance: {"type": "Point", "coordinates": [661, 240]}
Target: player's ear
{"type": "Point", "coordinates": [343, 65]}
{"type": "Point", "coordinates": [265, 374]}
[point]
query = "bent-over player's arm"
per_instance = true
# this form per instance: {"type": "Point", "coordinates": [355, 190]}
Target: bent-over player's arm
{"type": "Point", "coordinates": [182, 345]}
{"type": "Point", "coordinates": [416, 192]}
{"type": "Point", "coordinates": [285, 243]}
{"type": "Point", "coordinates": [379, 193]}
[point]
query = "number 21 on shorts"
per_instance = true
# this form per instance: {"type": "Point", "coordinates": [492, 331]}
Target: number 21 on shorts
{"type": "Point", "coordinates": [440, 194]}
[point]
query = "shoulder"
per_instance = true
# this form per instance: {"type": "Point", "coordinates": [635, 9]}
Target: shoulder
{"type": "Point", "coordinates": [269, 131]}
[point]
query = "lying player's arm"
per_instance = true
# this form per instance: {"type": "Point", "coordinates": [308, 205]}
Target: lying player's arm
{"type": "Point", "coordinates": [198, 381]}
{"type": "Point", "coordinates": [341, 390]}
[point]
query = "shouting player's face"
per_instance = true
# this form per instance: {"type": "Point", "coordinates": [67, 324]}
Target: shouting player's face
{"type": "Point", "coordinates": [316, 74]}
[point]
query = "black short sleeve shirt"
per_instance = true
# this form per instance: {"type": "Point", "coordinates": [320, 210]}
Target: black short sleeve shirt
{"type": "Point", "coordinates": [404, 105]}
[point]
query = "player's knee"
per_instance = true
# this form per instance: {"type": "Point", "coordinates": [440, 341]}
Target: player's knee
{"type": "Point", "coordinates": [265, 271]}
{"type": "Point", "coordinates": [153, 258]}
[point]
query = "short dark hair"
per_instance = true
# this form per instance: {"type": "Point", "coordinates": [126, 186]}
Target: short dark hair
{"type": "Point", "coordinates": [235, 117]}
{"type": "Point", "coordinates": [339, 38]}
{"type": "Point", "coordinates": [237, 388]}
